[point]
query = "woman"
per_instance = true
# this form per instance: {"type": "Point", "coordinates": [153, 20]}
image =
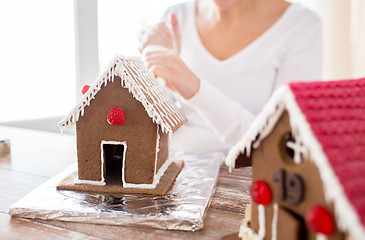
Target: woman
{"type": "Point", "coordinates": [225, 57]}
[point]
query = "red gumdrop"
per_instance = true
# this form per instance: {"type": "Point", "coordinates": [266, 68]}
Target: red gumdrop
{"type": "Point", "coordinates": [116, 116]}
{"type": "Point", "coordinates": [84, 89]}
{"type": "Point", "coordinates": [260, 192]}
{"type": "Point", "coordinates": [320, 220]}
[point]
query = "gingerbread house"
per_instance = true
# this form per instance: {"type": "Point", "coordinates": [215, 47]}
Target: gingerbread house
{"type": "Point", "coordinates": [307, 151]}
{"type": "Point", "coordinates": [123, 122]}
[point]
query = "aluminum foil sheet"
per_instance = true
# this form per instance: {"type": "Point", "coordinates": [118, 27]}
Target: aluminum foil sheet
{"type": "Point", "coordinates": [182, 208]}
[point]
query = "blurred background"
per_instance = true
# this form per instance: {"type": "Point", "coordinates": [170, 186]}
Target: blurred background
{"type": "Point", "coordinates": [50, 48]}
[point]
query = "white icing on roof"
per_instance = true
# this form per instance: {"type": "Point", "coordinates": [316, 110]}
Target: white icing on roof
{"type": "Point", "coordinates": [158, 104]}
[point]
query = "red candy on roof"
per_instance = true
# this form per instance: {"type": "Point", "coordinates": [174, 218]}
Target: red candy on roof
{"type": "Point", "coordinates": [84, 89]}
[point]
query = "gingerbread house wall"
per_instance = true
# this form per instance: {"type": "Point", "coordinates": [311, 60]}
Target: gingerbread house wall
{"type": "Point", "coordinates": [138, 131]}
{"type": "Point", "coordinates": [163, 149]}
{"type": "Point", "coordinates": [267, 159]}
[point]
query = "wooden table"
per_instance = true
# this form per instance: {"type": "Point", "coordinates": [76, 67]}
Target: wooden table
{"type": "Point", "coordinates": [37, 156]}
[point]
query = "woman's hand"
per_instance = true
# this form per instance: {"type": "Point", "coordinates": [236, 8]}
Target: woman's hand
{"type": "Point", "coordinates": [167, 63]}
{"type": "Point", "coordinates": [169, 66]}
{"type": "Point", "coordinates": [162, 34]}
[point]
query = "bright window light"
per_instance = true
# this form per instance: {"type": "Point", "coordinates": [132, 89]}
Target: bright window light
{"type": "Point", "coordinates": [37, 59]}
{"type": "Point", "coordinates": [120, 22]}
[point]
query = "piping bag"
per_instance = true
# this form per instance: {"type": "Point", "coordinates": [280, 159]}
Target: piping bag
{"type": "Point", "coordinates": [160, 80]}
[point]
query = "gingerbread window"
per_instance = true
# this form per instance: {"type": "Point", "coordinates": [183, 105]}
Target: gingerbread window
{"type": "Point", "coordinates": [292, 149]}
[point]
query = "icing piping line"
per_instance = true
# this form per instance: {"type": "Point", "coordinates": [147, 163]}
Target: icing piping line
{"type": "Point", "coordinates": [274, 223]}
{"type": "Point", "coordinates": [262, 125]}
{"type": "Point", "coordinates": [102, 181]}
{"type": "Point", "coordinates": [262, 222]}
{"type": "Point", "coordinates": [157, 149]}
{"type": "Point", "coordinates": [90, 182]}
{"type": "Point", "coordinates": [137, 94]}
{"type": "Point", "coordinates": [86, 98]}
{"type": "Point", "coordinates": [102, 156]}
{"type": "Point", "coordinates": [156, 179]}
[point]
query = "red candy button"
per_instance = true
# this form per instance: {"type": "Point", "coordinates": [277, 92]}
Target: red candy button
{"type": "Point", "coordinates": [260, 192]}
{"type": "Point", "coordinates": [320, 220]}
{"type": "Point", "coordinates": [115, 116]}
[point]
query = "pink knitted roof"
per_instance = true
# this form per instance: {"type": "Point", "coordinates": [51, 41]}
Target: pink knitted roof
{"type": "Point", "coordinates": [335, 111]}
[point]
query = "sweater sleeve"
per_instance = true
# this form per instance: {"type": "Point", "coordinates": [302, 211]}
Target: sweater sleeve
{"type": "Point", "coordinates": [228, 119]}
{"type": "Point", "coordinates": [303, 61]}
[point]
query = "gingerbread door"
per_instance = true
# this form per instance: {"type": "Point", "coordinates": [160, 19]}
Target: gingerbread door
{"type": "Point", "coordinates": [289, 225]}
{"type": "Point", "coordinates": [113, 154]}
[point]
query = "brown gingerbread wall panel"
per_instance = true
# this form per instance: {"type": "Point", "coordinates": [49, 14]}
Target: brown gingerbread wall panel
{"type": "Point", "coordinates": [268, 162]}
{"type": "Point", "coordinates": [138, 131]}
{"type": "Point", "coordinates": [163, 149]}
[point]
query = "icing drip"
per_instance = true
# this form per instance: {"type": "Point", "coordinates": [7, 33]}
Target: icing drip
{"type": "Point", "coordinates": [262, 126]}
{"type": "Point", "coordinates": [274, 224]}
{"type": "Point", "coordinates": [142, 84]}
{"type": "Point", "coordinates": [262, 222]}
{"type": "Point", "coordinates": [320, 236]}
{"type": "Point", "coordinates": [247, 233]}
{"type": "Point", "coordinates": [157, 149]}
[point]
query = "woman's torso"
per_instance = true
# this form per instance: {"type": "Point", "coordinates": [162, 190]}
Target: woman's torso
{"type": "Point", "coordinates": [248, 77]}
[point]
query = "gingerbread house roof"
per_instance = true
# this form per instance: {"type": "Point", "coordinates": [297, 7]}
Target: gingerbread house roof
{"type": "Point", "coordinates": [157, 102]}
{"type": "Point", "coordinates": [329, 119]}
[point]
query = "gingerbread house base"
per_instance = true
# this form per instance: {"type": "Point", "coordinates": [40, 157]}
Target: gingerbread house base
{"type": "Point", "coordinates": [166, 182]}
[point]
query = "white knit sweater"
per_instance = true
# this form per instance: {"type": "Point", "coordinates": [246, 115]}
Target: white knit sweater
{"type": "Point", "coordinates": [234, 90]}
